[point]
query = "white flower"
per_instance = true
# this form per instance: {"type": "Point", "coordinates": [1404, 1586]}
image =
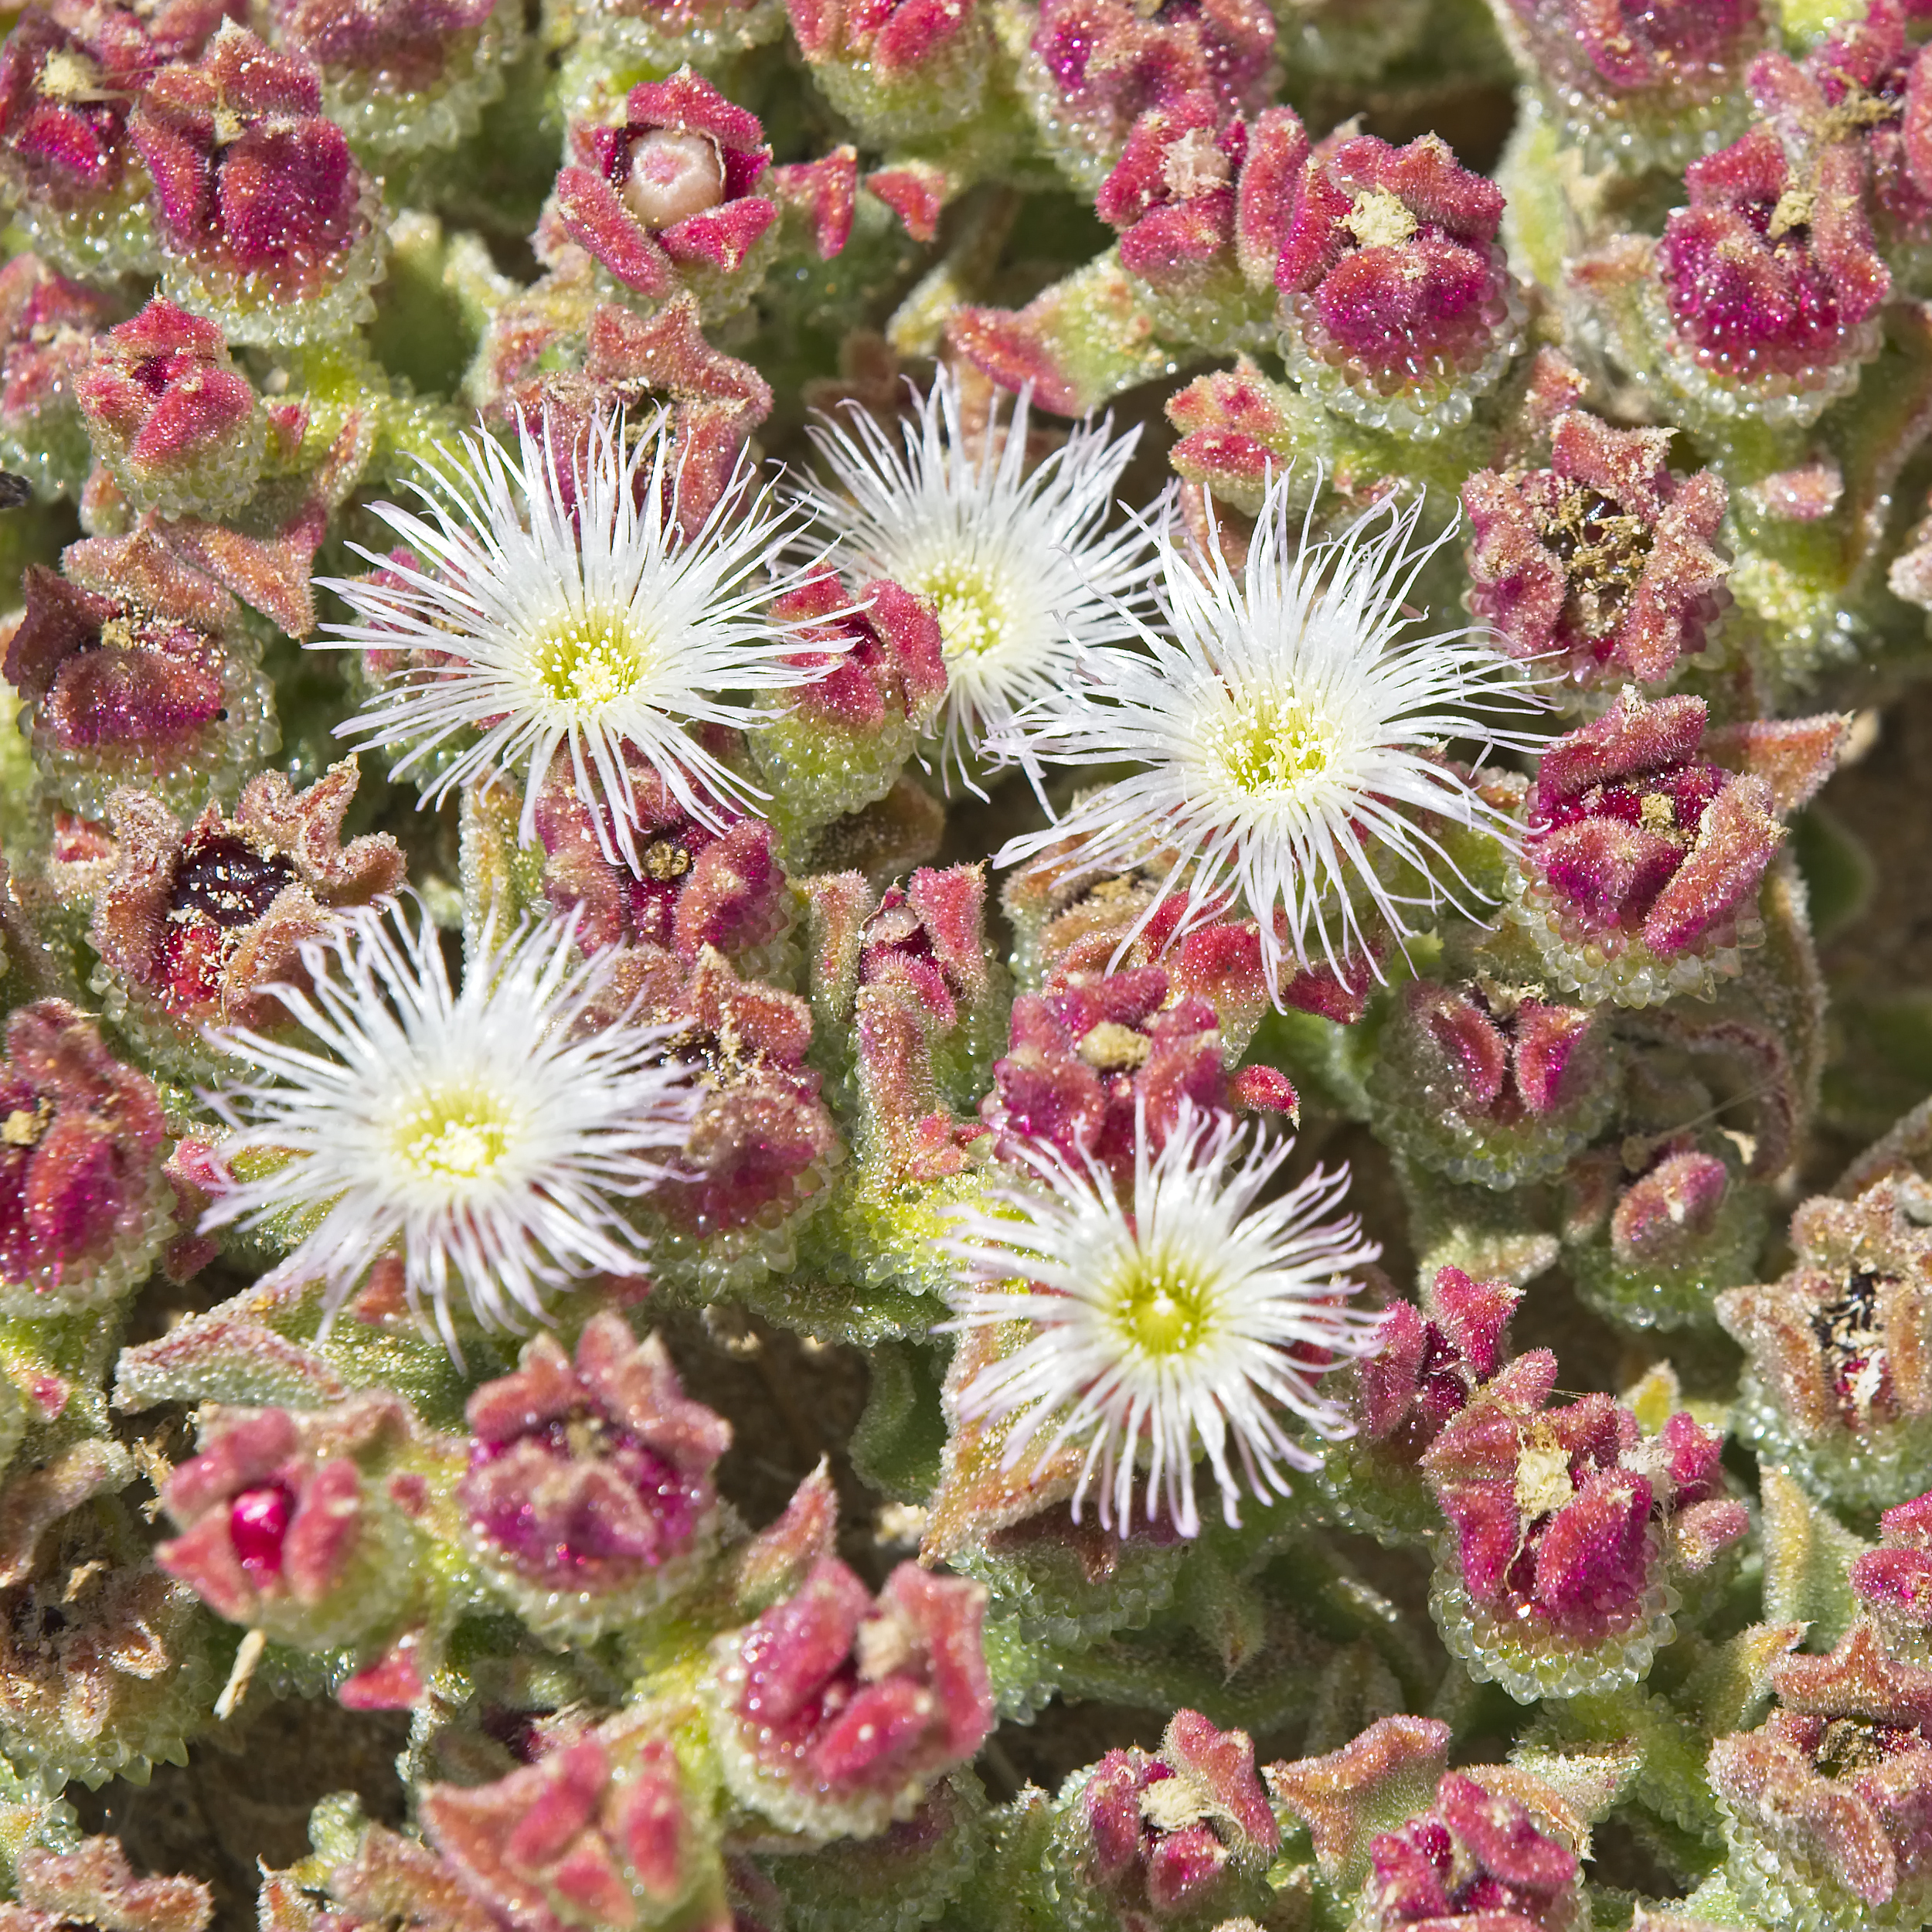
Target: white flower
{"type": "Point", "coordinates": [475, 1133]}
{"type": "Point", "coordinates": [1177, 1323]}
{"type": "Point", "coordinates": [1021, 571]}
{"type": "Point", "coordinates": [597, 628]}
{"type": "Point", "coordinates": [1288, 728]}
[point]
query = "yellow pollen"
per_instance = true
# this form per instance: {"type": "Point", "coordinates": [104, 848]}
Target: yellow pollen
{"type": "Point", "coordinates": [664, 861]}
{"type": "Point", "coordinates": [1542, 1474]}
{"type": "Point", "coordinates": [1380, 219]}
{"type": "Point", "coordinates": [1162, 1306]}
{"type": "Point", "coordinates": [1194, 166]}
{"type": "Point", "coordinates": [1793, 210]}
{"type": "Point", "coordinates": [1656, 813]}
{"type": "Point", "coordinates": [1110, 1047]}
{"type": "Point", "coordinates": [589, 659]}
{"type": "Point", "coordinates": [69, 77]}
{"type": "Point", "coordinates": [1275, 742]}
{"type": "Point", "coordinates": [972, 615]}
{"type": "Point", "coordinates": [453, 1138]}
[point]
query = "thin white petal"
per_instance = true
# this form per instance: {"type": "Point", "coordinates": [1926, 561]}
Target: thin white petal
{"type": "Point", "coordinates": [599, 629]}
{"type": "Point", "coordinates": [483, 1136]}
{"type": "Point", "coordinates": [1289, 730]}
{"type": "Point", "coordinates": [1261, 1279]}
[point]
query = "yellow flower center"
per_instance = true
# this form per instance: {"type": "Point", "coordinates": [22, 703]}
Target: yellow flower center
{"type": "Point", "coordinates": [590, 658]}
{"type": "Point", "coordinates": [1162, 1306]}
{"type": "Point", "coordinates": [973, 617]}
{"type": "Point", "coordinates": [1274, 742]}
{"type": "Point", "coordinates": [1380, 219]}
{"type": "Point", "coordinates": [454, 1137]}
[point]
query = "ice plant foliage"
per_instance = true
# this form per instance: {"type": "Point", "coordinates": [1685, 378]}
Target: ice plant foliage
{"type": "Point", "coordinates": [476, 1132]}
{"type": "Point", "coordinates": [570, 615]}
{"type": "Point", "coordinates": [895, 856]}
{"type": "Point", "coordinates": [1019, 564]}
{"type": "Point", "coordinates": [1291, 732]}
{"type": "Point", "coordinates": [1173, 1322]}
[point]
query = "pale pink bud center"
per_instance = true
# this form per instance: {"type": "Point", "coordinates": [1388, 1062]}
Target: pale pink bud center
{"type": "Point", "coordinates": [673, 176]}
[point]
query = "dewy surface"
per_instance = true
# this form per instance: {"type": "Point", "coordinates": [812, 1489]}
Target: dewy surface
{"type": "Point", "coordinates": [965, 964]}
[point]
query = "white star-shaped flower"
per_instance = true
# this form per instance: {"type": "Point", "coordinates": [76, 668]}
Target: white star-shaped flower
{"type": "Point", "coordinates": [1289, 731]}
{"type": "Point", "coordinates": [487, 1137]}
{"type": "Point", "coordinates": [1183, 1321]}
{"type": "Point", "coordinates": [1022, 570]}
{"type": "Point", "coordinates": [569, 610]}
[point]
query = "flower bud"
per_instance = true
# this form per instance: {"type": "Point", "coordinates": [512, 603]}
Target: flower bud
{"type": "Point", "coordinates": [1093, 67]}
{"type": "Point", "coordinates": [1553, 1580]}
{"type": "Point", "coordinates": [1398, 309]}
{"type": "Point", "coordinates": [1643, 858]}
{"type": "Point", "coordinates": [666, 197]}
{"type": "Point", "coordinates": [171, 415]}
{"type": "Point", "coordinates": [833, 1714]}
{"type": "Point", "coordinates": [194, 924]}
{"type": "Point", "coordinates": [83, 1208]}
{"type": "Point", "coordinates": [287, 1526]}
{"type": "Point", "coordinates": [1839, 1386]}
{"type": "Point", "coordinates": [1489, 1083]}
{"type": "Point", "coordinates": [1827, 1808]}
{"type": "Point", "coordinates": [589, 1498]}
{"type": "Point", "coordinates": [269, 223]}
{"type": "Point", "coordinates": [138, 671]}
{"type": "Point", "coordinates": [1184, 1834]}
{"type": "Point", "coordinates": [1603, 560]}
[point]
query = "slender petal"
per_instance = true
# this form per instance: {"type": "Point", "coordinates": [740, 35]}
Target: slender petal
{"type": "Point", "coordinates": [569, 612]}
{"type": "Point", "coordinates": [478, 1133]}
{"type": "Point", "coordinates": [1288, 732]}
{"type": "Point", "coordinates": [1174, 1325]}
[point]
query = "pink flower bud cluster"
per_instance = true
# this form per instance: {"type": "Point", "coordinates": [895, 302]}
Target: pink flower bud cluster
{"type": "Point", "coordinates": [1490, 1083]}
{"type": "Point", "coordinates": [289, 1525]}
{"type": "Point", "coordinates": [1828, 1804]}
{"type": "Point", "coordinates": [196, 924]}
{"type": "Point", "coordinates": [588, 1494]}
{"type": "Point", "coordinates": [844, 739]}
{"type": "Point", "coordinates": [1398, 308]}
{"type": "Point", "coordinates": [1183, 1832]}
{"type": "Point", "coordinates": [1379, 267]}
{"type": "Point", "coordinates": [83, 1209]}
{"type": "Point", "coordinates": [172, 416]}
{"type": "Point", "coordinates": [1094, 66]}
{"type": "Point", "coordinates": [1604, 560]}
{"type": "Point", "coordinates": [1644, 856]}
{"type": "Point", "coordinates": [1563, 1525]}
{"type": "Point", "coordinates": [834, 1713]}
{"type": "Point", "coordinates": [1840, 1383]}
{"type": "Point", "coordinates": [137, 670]}
{"type": "Point", "coordinates": [697, 927]}
{"type": "Point", "coordinates": [69, 79]}
{"type": "Point", "coordinates": [1639, 87]}
{"type": "Point", "coordinates": [267, 220]}
{"type": "Point", "coordinates": [1476, 1858]}
{"type": "Point", "coordinates": [600, 1830]}
{"type": "Point", "coordinates": [668, 196]}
